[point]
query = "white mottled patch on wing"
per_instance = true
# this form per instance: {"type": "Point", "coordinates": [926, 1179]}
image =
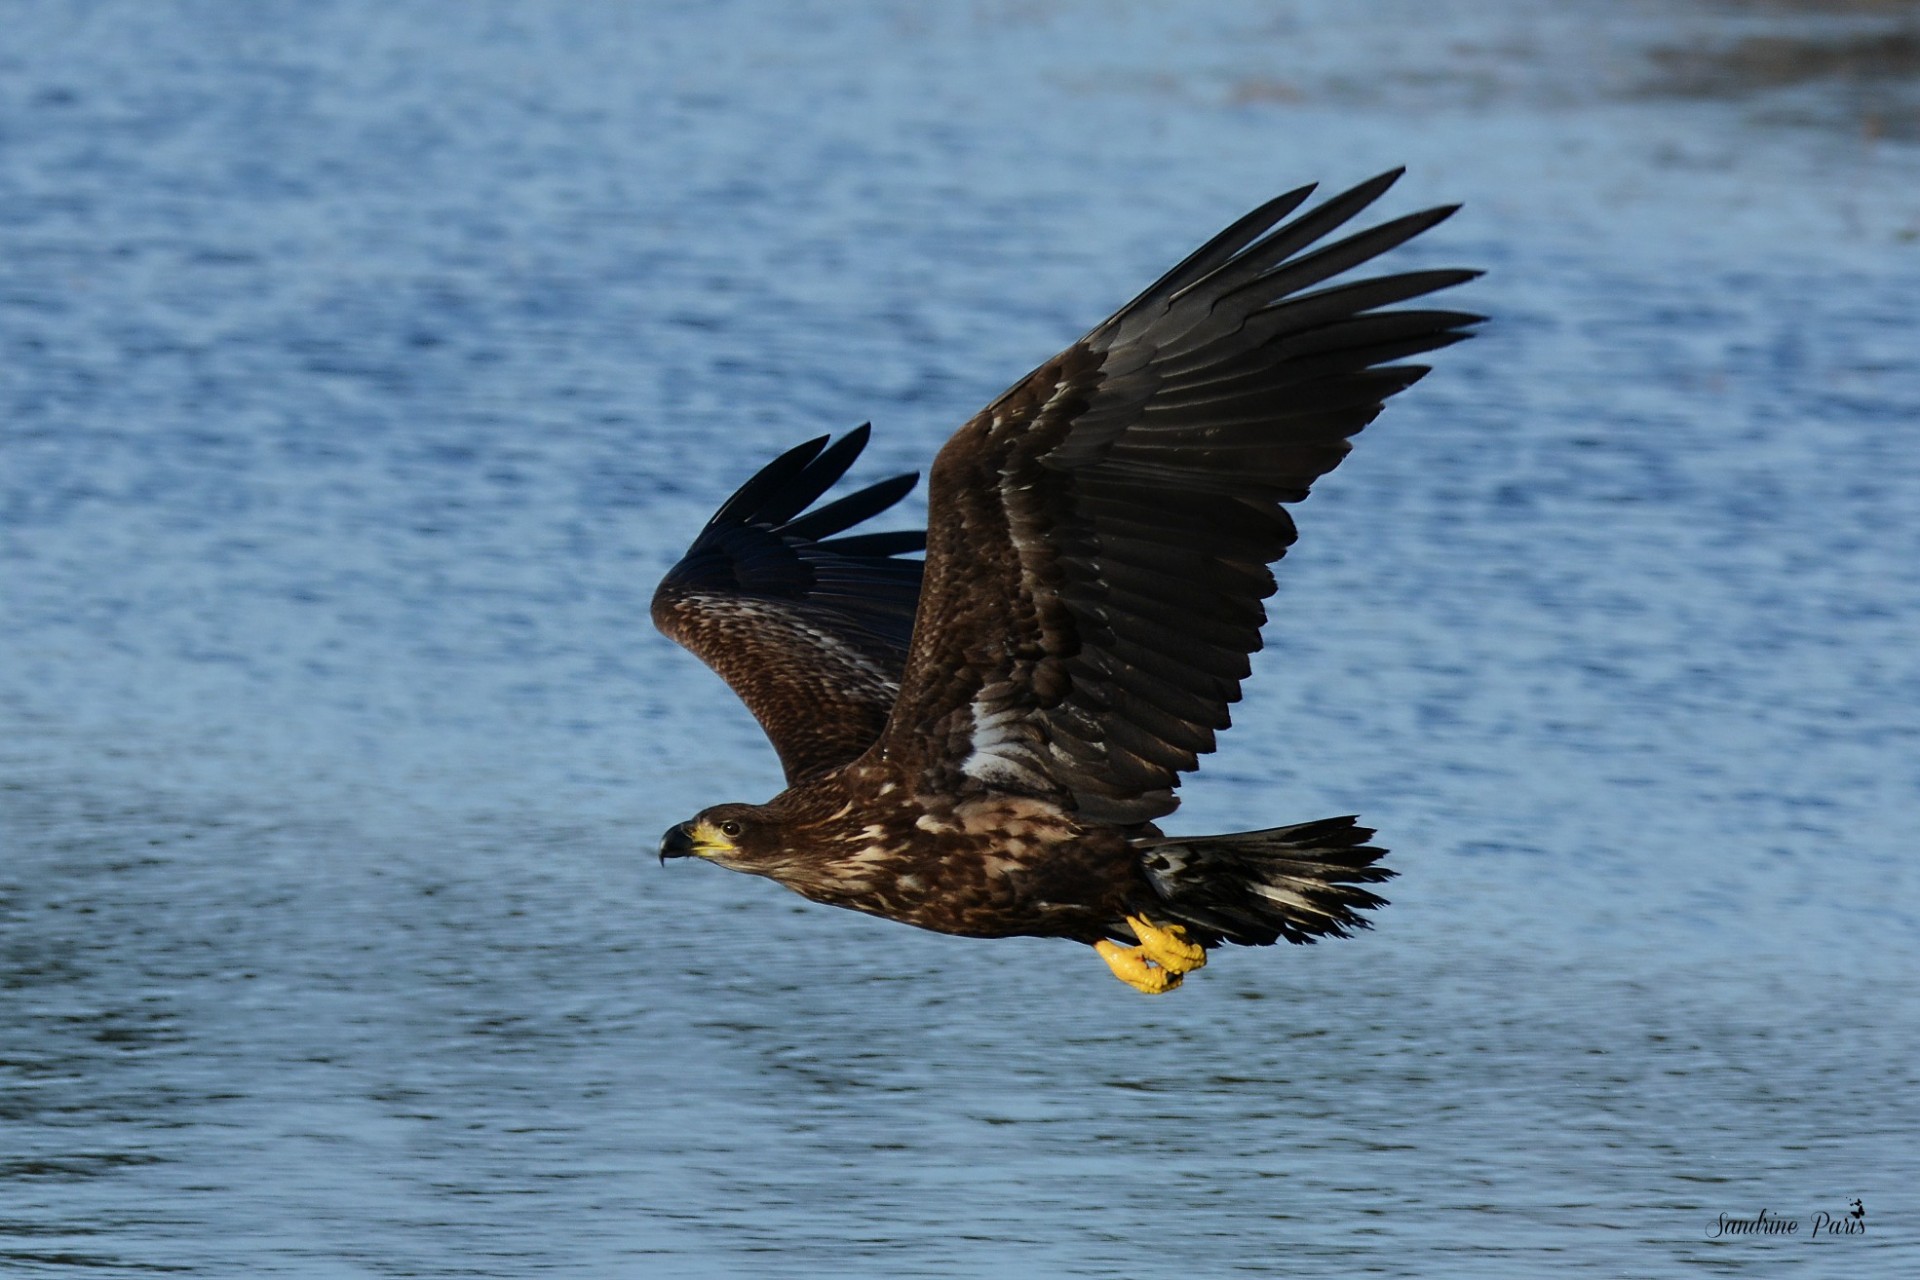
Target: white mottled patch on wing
{"type": "Point", "coordinates": [1002, 770]}
{"type": "Point", "coordinates": [1004, 747]}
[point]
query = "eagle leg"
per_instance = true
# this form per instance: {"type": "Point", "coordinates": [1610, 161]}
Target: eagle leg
{"type": "Point", "coordinates": [1163, 958]}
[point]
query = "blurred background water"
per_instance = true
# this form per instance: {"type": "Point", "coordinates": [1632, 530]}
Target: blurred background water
{"type": "Point", "coordinates": [364, 365]}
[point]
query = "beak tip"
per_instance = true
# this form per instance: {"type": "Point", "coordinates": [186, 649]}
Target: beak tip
{"type": "Point", "coordinates": [676, 843]}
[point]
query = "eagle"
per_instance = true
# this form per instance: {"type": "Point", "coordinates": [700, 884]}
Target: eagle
{"type": "Point", "coordinates": [982, 742]}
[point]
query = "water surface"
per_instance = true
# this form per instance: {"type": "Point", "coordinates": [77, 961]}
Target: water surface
{"type": "Point", "coordinates": [364, 367]}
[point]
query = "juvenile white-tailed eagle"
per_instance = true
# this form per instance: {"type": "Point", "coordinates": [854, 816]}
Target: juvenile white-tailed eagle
{"type": "Point", "coordinates": [981, 745]}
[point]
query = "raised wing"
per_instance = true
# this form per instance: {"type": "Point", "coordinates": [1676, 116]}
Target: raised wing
{"type": "Point", "coordinates": [1099, 536]}
{"type": "Point", "coordinates": [809, 629]}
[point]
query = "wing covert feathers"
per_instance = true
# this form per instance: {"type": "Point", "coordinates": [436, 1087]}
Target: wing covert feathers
{"type": "Point", "coordinates": [809, 629]}
{"type": "Point", "coordinates": [1100, 535]}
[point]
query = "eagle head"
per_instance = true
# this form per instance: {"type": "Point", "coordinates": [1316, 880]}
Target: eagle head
{"type": "Point", "coordinates": [743, 837]}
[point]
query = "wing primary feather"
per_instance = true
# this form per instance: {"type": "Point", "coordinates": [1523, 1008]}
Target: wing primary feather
{"type": "Point", "coordinates": [816, 477]}
{"type": "Point", "coordinates": [1295, 274]}
{"type": "Point", "coordinates": [748, 501]}
{"type": "Point", "coordinates": [845, 512]}
{"type": "Point", "coordinates": [1290, 237]}
{"type": "Point", "coordinates": [1197, 353]}
{"type": "Point", "coordinates": [1210, 256]}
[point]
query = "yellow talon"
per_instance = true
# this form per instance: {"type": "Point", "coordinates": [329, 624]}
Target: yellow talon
{"type": "Point", "coordinates": [1163, 958]}
{"type": "Point", "coordinates": [1168, 947]}
{"type": "Point", "coordinates": [1132, 967]}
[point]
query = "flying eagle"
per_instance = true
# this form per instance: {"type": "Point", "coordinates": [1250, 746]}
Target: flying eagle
{"type": "Point", "coordinates": [980, 744]}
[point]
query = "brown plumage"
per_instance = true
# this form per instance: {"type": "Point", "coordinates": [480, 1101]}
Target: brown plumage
{"type": "Point", "coordinates": [1097, 553]}
{"type": "Point", "coordinates": [809, 629]}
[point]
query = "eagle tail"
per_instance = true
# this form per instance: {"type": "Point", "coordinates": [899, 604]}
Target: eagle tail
{"type": "Point", "coordinates": [1301, 883]}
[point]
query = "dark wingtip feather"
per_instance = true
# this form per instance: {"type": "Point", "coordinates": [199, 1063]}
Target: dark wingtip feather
{"type": "Point", "coordinates": [1275, 253]}
{"type": "Point", "coordinates": [816, 477]}
{"type": "Point", "coordinates": [792, 482]}
{"type": "Point", "coordinates": [755, 544]}
{"type": "Point", "coordinates": [750, 498]}
{"type": "Point", "coordinates": [843, 513]}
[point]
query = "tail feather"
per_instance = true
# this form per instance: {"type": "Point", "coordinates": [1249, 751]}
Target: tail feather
{"type": "Point", "coordinates": [1301, 883]}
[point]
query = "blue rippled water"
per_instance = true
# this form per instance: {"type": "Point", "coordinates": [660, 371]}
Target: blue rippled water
{"type": "Point", "coordinates": [362, 367]}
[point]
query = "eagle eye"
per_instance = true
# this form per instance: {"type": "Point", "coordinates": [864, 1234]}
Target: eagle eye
{"type": "Point", "coordinates": [731, 829]}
